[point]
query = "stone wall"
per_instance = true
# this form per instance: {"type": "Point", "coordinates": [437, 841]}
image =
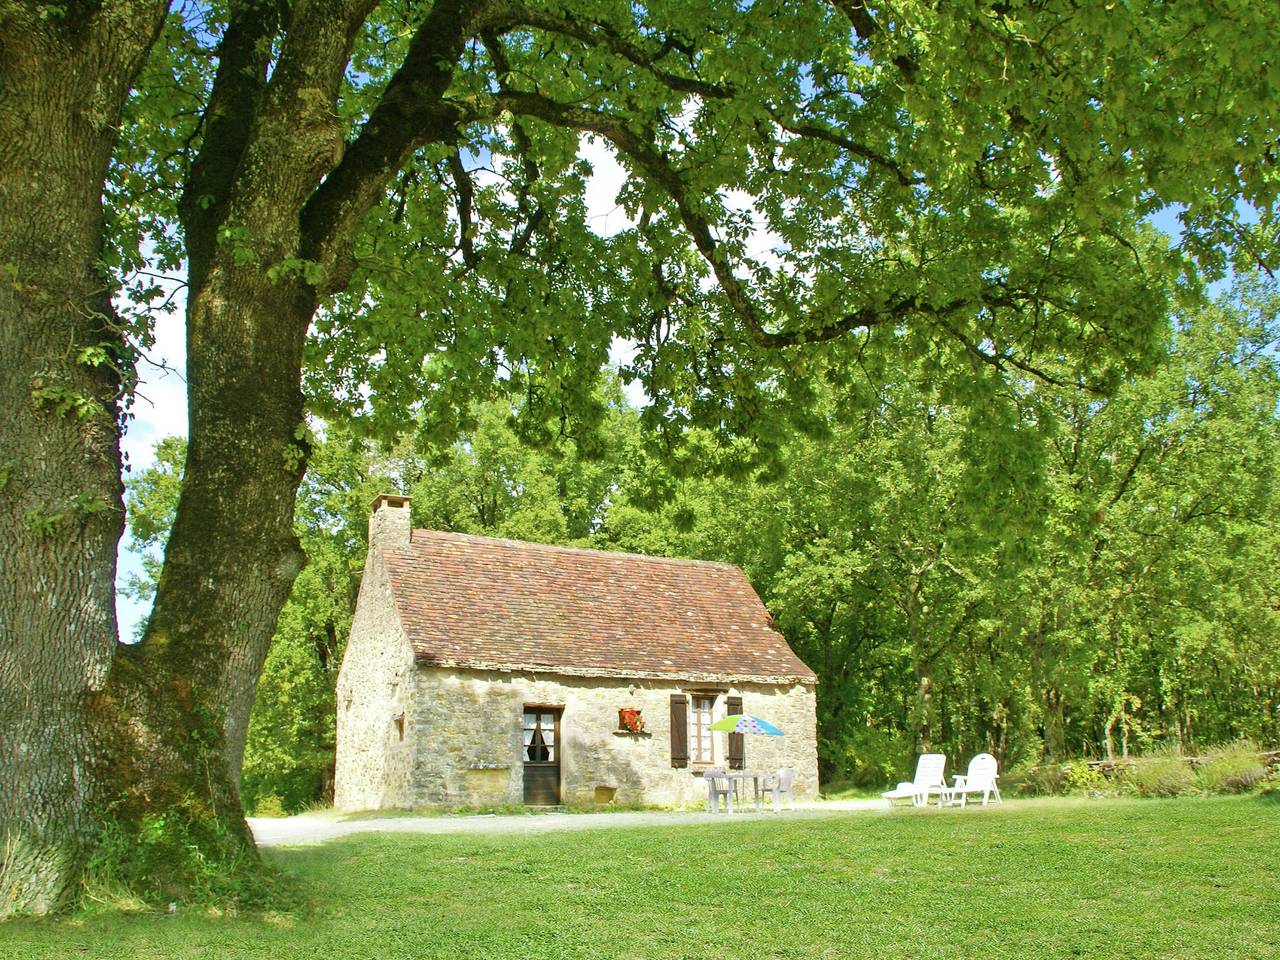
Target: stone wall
{"type": "Point", "coordinates": [375, 686]}
{"type": "Point", "coordinates": [468, 746]}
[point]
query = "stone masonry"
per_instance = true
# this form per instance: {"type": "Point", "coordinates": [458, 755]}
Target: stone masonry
{"type": "Point", "coordinates": [468, 748]}
{"type": "Point", "coordinates": [375, 684]}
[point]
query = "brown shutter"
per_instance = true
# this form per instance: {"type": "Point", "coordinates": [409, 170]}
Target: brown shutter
{"type": "Point", "coordinates": [737, 741]}
{"type": "Point", "coordinates": [679, 730]}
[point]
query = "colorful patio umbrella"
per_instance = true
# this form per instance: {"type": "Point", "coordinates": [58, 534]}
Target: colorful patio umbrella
{"type": "Point", "coordinates": [745, 723]}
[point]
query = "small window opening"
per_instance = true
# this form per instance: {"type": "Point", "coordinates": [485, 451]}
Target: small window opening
{"type": "Point", "coordinates": [400, 726]}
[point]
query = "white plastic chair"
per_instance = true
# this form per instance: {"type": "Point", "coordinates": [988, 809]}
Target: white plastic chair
{"type": "Point", "coordinates": [930, 779]}
{"type": "Point", "coordinates": [718, 785]}
{"type": "Point", "coordinates": [981, 778]}
{"type": "Point", "coordinates": [780, 783]}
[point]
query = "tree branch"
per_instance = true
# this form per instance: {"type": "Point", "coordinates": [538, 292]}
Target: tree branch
{"type": "Point", "coordinates": [466, 195]}
{"type": "Point", "coordinates": [596, 34]}
{"type": "Point", "coordinates": [412, 112]}
{"type": "Point", "coordinates": [816, 132]}
{"type": "Point", "coordinates": [866, 27]}
{"type": "Point", "coordinates": [524, 146]}
{"type": "Point", "coordinates": [243, 54]}
{"type": "Point", "coordinates": [1002, 360]}
{"type": "Point", "coordinates": [659, 169]}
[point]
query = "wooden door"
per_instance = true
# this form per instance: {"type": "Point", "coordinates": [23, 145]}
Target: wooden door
{"type": "Point", "coordinates": [542, 756]}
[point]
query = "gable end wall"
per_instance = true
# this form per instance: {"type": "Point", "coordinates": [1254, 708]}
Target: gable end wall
{"type": "Point", "coordinates": [375, 685]}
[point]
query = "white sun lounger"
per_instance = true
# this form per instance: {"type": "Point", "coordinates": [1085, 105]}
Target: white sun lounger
{"type": "Point", "coordinates": [930, 779]}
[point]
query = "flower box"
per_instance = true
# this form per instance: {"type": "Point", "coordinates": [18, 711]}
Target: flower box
{"type": "Point", "coordinates": [630, 721]}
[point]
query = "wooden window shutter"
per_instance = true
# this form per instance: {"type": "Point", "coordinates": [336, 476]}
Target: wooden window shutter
{"type": "Point", "coordinates": [737, 741]}
{"type": "Point", "coordinates": [679, 730]}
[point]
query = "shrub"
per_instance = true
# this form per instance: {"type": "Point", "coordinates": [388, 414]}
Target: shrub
{"type": "Point", "coordinates": [183, 854]}
{"type": "Point", "coordinates": [1162, 774]}
{"type": "Point", "coordinates": [1270, 791]}
{"type": "Point", "coordinates": [1079, 777]}
{"type": "Point", "coordinates": [1232, 768]}
{"type": "Point", "coordinates": [269, 806]}
{"type": "Point", "coordinates": [870, 758]}
{"type": "Point", "coordinates": [1030, 779]}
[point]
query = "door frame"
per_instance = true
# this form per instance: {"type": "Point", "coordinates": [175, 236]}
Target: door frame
{"type": "Point", "coordinates": [557, 710]}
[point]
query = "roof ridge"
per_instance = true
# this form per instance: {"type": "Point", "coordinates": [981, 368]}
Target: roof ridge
{"type": "Point", "coordinates": [557, 548]}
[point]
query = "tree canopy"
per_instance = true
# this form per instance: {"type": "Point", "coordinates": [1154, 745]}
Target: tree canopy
{"type": "Point", "coordinates": [813, 190]}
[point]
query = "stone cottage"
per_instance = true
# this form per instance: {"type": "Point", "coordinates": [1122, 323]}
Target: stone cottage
{"type": "Point", "coordinates": [484, 671]}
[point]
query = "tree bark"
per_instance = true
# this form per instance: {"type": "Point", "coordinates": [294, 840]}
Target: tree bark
{"type": "Point", "coordinates": [272, 206]}
{"type": "Point", "coordinates": [62, 84]}
{"type": "Point", "coordinates": [922, 711]}
{"type": "Point", "coordinates": [1055, 723]}
{"type": "Point", "coordinates": [232, 556]}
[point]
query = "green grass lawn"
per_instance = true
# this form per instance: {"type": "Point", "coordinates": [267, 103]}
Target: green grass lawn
{"type": "Point", "coordinates": [1036, 879]}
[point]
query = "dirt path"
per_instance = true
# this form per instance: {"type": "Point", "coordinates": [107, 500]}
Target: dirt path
{"type": "Point", "coordinates": [309, 828]}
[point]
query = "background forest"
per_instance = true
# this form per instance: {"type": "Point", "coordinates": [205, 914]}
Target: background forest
{"type": "Point", "coordinates": [1056, 575]}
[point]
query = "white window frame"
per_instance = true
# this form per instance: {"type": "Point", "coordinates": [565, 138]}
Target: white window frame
{"type": "Point", "coordinates": [700, 734]}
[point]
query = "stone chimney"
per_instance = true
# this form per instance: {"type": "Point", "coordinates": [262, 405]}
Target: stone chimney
{"type": "Point", "coordinates": [389, 526]}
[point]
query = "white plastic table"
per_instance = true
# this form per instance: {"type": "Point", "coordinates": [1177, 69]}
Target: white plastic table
{"type": "Point", "coordinates": [756, 776]}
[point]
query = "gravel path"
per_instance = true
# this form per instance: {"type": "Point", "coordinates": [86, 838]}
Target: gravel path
{"type": "Point", "coordinates": [286, 831]}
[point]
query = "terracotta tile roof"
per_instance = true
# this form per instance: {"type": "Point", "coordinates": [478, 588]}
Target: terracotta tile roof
{"type": "Point", "coordinates": [479, 602]}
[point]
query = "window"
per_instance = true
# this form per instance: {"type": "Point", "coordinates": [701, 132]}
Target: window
{"type": "Point", "coordinates": [539, 736]}
{"type": "Point", "coordinates": [400, 726]}
{"type": "Point", "coordinates": [700, 736]}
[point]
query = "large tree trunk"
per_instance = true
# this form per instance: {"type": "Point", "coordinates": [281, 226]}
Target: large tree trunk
{"type": "Point", "coordinates": [232, 555]}
{"type": "Point", "coordinates": [1055, 723]}
{"type": "Point", "coordinates": [61, 513]}
{"type": "Point", "coordinates": [269, 214]}
{"type": "Point", "coordinates": [923, 712]}
{"type": "Point", "coordinates": [168, 717]}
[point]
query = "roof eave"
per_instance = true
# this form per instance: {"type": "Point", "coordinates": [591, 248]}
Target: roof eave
{"type": "Point", "coordinates": [612, 673]}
